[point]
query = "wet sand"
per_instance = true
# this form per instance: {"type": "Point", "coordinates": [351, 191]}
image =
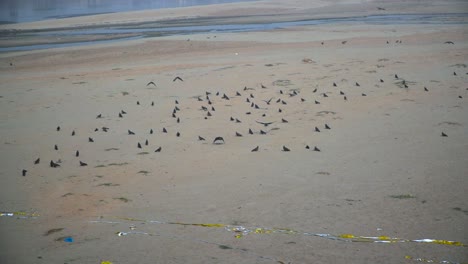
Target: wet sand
{"type": "Point", "coordinates": [383, 168]}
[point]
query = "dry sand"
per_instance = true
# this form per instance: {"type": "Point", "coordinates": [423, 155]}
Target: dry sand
{"type": "Point", "coordinates": [383, 170]}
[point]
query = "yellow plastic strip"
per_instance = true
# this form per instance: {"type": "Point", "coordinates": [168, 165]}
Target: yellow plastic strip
{"type": "Point", "coordinates": [19, 214]}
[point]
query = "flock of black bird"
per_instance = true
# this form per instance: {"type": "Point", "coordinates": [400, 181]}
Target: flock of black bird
{"type": "Point", "coordinates": [208, 101]}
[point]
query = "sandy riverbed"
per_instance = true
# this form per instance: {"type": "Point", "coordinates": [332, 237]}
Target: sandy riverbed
{"type": "Point", "coordinates": [383, 168]}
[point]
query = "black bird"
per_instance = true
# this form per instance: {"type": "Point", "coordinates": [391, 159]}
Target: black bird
{"type": "Point", "coordinates": [238, 94]}
{"type": "Point", "coordinates": [279, 110]}
{"type": "Point", "coordinates": [56, 147]}
{"type": "Point", "coordinates": [317, 102]}
{"type": "Point", "coordinates": [131, 132]}
{"type": "Point", "coordinates": [225, 97]}
{"type": "Point", "coordinates": [316, 149]}
{"type": "Point", "coordinates": [302, 100]}
{"type": "Point", "coordinates": [283, 102]}
{"type": "Point", "coordinates": [343, 42]}
{"type": "Point", "coordinates": [255, 149]}
{"type": "Point", "coordinates": [238, 134]}
{"type": "Point", "coordinates": [449, 42]}
{"type": "Point", "coordinates": [238, 121]}
{"type": "Point", "coordinates": [315, 90]}
{"type": "Point", "coordinates": [208, 114]}
{"type": "Point", "coordinates": [123, 112]}
{"type": "Point", "coordinates": [327, 127]}
{"type": "Point", "coordinates": [256, 106]}
{"type": "Point", "coordinates": [334, 84]}
{"type": "Point", "coordinates": [425, 89]}
{"type": "Point", "coordinates": [286, 149]}
{"type": "Point", "coordinates": [444, 135]}
{"type": "Point", "coordinates": [120, 115]}
{"type": "Point", "coordinates": [146, 142]}
{"type": "Point", "coordinates": [24, 172]}
{"type": "Point", "coordinates": [250, 131]}
{"type": "Point", "coordinates": [178, 120]}
{"type": "Point", "coordinates": [325, 95]}
{"type": "Point", "coordinates": [77, 153]}
{"type": "Point", "coordinates": [265, 123]}
{"type": "Point", "coordinates": [164, 130]}
{"type": "Point", "coordinates": [96, 129]}
{"type": "Point", "coordinates": [252, 104]}
{"type": "Point", "coordinates": [232, 119]}
{"type": "Point", "coordinates": [213, 109]}
{"type": "Point", "coordinates": [99, 116]}
{"type": "Point", "coordinates": [345, 98]}
{"type": "Point", "coordinates": [396, 76]}
{"type": "Point", "coordinates": [204, 108]}
{"type": "Point", "coordinates": [105, 129]}
{"type": "Point", "coordinates": [53, 164]}
{"type": "Point", "coordinates": [199, 99]}
{"type": "Point", "coordinates": [307, 147]}
{"type": "Point", "coordinates": [281, 91]}
{"type": "Point", "coordinates": [151, 83]}
{"type": "Point", "coordinates": [176, 102]}
{"type": "Point", "coordinates": [381, 81]}
{"type": "Point", "coordinates": [251, 96]}
{"type": "Point", "coordinates": [218, 139]}
{"type": "Point", "coordinates": [73, 132]}
{"type": "Point", "coordinates": [82, 164]}
{"type": "Point", "coordinates": [139, 145]}
{"type": "Point", "coordinates": [207, 93]}
{"type": "Point", "coordinates": [357, 84]}
{"type": "Point", "coordinates": [317, 129]}
{"type": "Point", "coordinates": [138, 102]}
{"type": "Point", "coordinates": [248, 113]}
{"type": "Point", "coordinates": [460, 97]}
{"type": "Point", "coordinates": [200, 138]}
{"type": "Point", "coordinates": [178, 134]}
{"type": "Point", "coordinates": [152, 103]}
{"type": "Point", "coordinates": [247, 100]}
{"type": "Point", "coordinates": [264, 115]}
{"type": "Point", "coordinates": [37, 161]}
{"type": "Point", "coordinates": [217, 93]}
{"type": "Point", "coordinates": [158, 150]}
{"type": "Point", "coordinates": [341, 93]}
{"type": "Point", "coordinates": [262, 132]}
{"type": "Point", "coordinates": [268, 101]}
{"type": "Point", "coordinates": [58, 128]}
{"type": "Point", "coordinates": [177, 78]}
{"type": "Point", "coordinates": [151, 131]}
{"type": "Point", "coordinates": [263, 86]}
{"type": "Point", "coordinates": [284, 120]}
{"type": "Point", "coordinates": [363, 94]}
{"type": "Point", "coordinates": [90, 140]}
{"type": "Point", "coordinates": [454, 73]}
{"type": "Point", "coordinates": [279, 100]}
{"type": "Point", "coordinates": [176, 108]}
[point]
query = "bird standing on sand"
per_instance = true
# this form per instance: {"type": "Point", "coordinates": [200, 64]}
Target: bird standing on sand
{"type": "Point", "coordinates": [151, 83]}
{"type": "Point", "coordinates": [177, 78]}
{"type": "Point", "coordinates": [255, 149]}
{"type": "Point", "coordinates": [77, 153]}
{"type": "Point", "coordinates": [82, 164]}
{"type": "Point", "coordinates": [286, 149]}
{"type": "Point", "coordinates": [444, 135]}
{"type": "Point", "coordinates": [200, 138]}
{"type": "Point", "coordinates": [24, 172]}
{"type": "Point", "coordinates": [37, 161]}
{"type": "Point", "coordinates": [90, 139]}
{"type": "Point", "coordinates": [218, 140]}
{"type": "Point", "coordinates": [158, 149]}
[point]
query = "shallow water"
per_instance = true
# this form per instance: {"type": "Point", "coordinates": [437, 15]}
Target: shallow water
{"type": "Point", "coordinates": [15, 11]}
{"type": "Point", "coordinates": [152, 30]}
